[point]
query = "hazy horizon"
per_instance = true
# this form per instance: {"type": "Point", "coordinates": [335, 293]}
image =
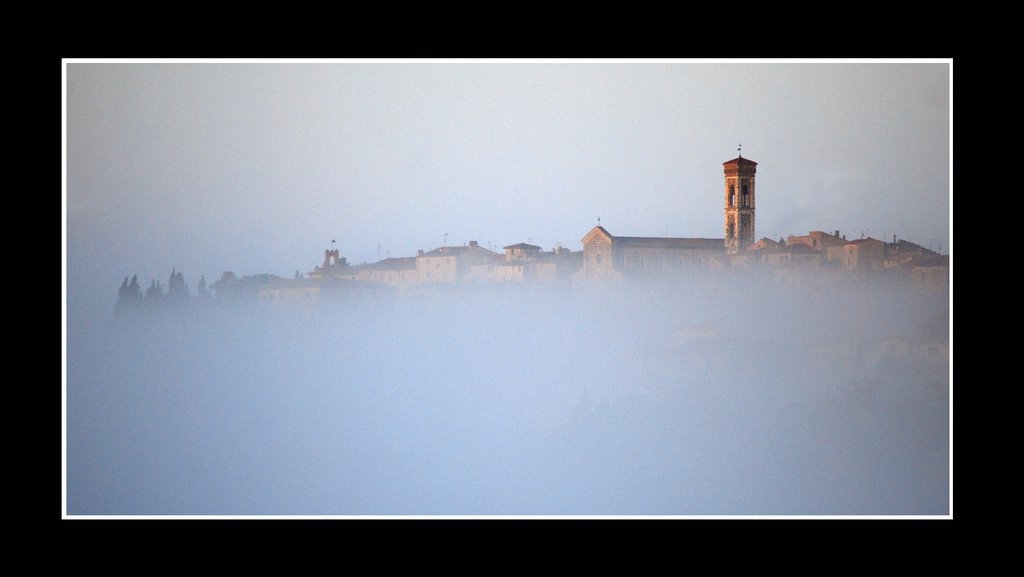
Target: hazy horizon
{"type": "Point", "coordinates": [256, 168]}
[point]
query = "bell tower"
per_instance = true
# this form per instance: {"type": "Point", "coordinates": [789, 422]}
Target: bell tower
{"type": "Point", "coordinates": [739, 203]}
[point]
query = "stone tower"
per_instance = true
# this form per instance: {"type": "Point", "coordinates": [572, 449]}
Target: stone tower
{"type": "Point", "coordinates": [739, 203]}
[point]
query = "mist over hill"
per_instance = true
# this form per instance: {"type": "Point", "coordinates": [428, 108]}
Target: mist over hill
{"type": "Point", "coordinates": [737, 396]}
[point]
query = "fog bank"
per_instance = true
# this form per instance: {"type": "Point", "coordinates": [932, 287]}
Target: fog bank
{"type": "Point", "coordinates": [734, 397]}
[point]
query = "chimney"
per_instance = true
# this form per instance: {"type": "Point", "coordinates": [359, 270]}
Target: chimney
{"type": "Point", "coordinates": [894, 239]}
{"type": "Point", "coordinates": [419, 252]}
{"type": "Point", "coordinates": [472, 244]}
{"type": "Point", "coordinates": [837, 234]}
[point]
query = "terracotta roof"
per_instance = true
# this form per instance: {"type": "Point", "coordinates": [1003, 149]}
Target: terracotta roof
{"type": "Point", "coordinates": [740, 160]}
{"type": "Point", "coordinates": [523, 245]}
{"type": "Point", "coordinates": [907, 246]}
{"type": "Point", "coordinates": [447, 251]}
{"type": "Point", "coordinates": [863, 240]}
{"type": "Point", "coordinates": [765, 243]}
{"type": "Point", "coordinates": [661, 242]}
{"type": "Point", "coordinates": [396, 263]}
{"type": "Point", "coordinates": [462, 251]}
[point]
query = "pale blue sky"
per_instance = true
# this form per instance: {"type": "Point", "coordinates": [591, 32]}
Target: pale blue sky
{"type": "Point", "coordinates": [256, 167]}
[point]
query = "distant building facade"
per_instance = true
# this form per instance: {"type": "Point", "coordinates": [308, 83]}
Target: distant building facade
{"type": "Point", "coordinates": [740, 197]}
{"type": "Point", "coordinates": [452, 264]}
{"type": "Point", "coordinates": [864, 254]}
{"type": "Point", "coordinates": [817, 240]}
{"type": "Point", "coordinates": [606, 256]}
{"type": "Point", "coordinates": [612, 257]}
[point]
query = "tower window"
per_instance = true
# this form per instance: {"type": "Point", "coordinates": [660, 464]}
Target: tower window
{"type": "Point", "coordinates": [732, 195]}
{"type": "Point", "coordinates": [745, 199]}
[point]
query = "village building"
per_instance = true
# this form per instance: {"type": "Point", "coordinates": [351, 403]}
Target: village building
{"type": "Point", "coordinates": [398, 272]}
{"type": "Point", "coordinates": [767, 245]}
{"type": "Point", "coordinates": [527, 263]}
{"type": "Point", "coordinates": [817, 239]}
{"type": "Point", "coordinates": [555, 266]}
{"type": "Point", "coordinates": [452, 264]}
{"type": "Point", "coordinates": [900, 253]}
{"type": "Point", "coordinates": [334, 266]}
{"type": "Point", "coordinates": [610, 257]}
{"type": "Point", "coordinates": [522, 252]}
{"type": "Point", "coordinates": [930, 272]}
{"type": "Point", "coordinates": [606, 256]}
{"type": "Point", "coordinates": [307, 292]}
{"type": "Point", "coordinates": [782, 253]}
{"type": "Point", "coordinates": [863, 254]}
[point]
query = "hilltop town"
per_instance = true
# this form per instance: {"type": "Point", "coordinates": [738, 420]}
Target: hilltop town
{"type": "Point", "coordinates": [605, 258]}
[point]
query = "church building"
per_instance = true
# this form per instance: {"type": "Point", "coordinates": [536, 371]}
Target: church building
{"type": "Point", "coordinates": [609, 256]}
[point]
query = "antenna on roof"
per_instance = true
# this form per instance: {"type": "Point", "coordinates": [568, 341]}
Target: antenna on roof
{"type": "Point", "coordinates": [740, 149]}
{"type": "Point", "coordinates": [599, 221]}
{"type": "Point", "coordinates": [446, 240]}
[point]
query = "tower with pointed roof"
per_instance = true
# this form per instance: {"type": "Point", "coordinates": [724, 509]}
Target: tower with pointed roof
{"type": "Point", "coordinates": [739, 203]}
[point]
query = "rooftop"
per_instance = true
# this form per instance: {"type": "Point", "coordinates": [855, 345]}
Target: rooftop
{"type": "Point", "coordinates": [448, 251]}
{"type": "Point", "coordinates": [863, 240]}
{"type": "Point", "coordinates": [740, 160]}
{"type": "Point", "coordinates": [664, 242]}
{"type": "Point", "coordinates": [907, 246]}
{"type": "Point", "coordinates": [396, 263]}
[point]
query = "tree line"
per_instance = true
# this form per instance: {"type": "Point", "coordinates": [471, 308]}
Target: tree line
{"type": "Point", "coordinates": [228, 287]}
